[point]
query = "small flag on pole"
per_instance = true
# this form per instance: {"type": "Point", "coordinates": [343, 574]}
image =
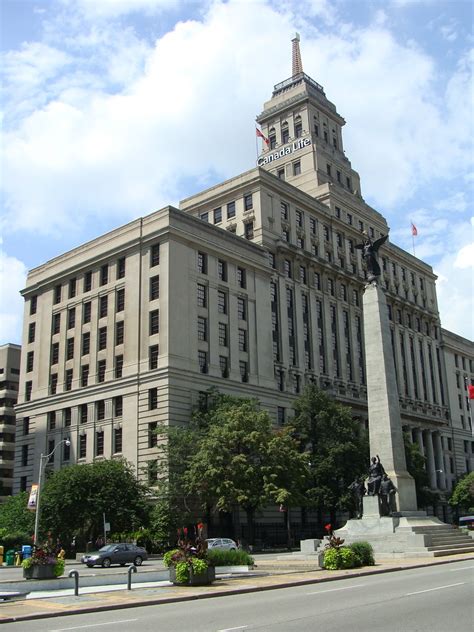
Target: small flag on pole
{"type": "Point", "coordinates": [260, 135]}
{"type": "Point", "coordinates": [414, 230]}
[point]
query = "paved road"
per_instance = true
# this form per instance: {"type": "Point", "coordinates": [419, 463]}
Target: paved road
{"type": "Point", "coordinates": [430, 599]}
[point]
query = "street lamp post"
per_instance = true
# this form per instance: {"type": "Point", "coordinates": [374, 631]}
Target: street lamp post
{"type": "Point", "coordinates": [43, 457]}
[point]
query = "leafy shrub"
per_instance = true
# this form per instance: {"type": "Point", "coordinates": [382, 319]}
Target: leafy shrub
{"type": "Point", "coordinates": [59, 568]}
{"type": "Point", "coordinates": [340, 558]}
{"type": "Point", "coordinates": [167, 557]}
{"type": "Point", "coordinates": [13, 540]}
{"type": "Point", "coordinates": [230, 558]}
{"type": "Point", "coordinates": [364, 552]}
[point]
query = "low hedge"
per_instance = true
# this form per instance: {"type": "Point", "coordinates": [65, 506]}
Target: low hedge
{"type": "Point", "coordinates": [364, 552]}
{"type": "Point", "coordinates": [352, 556]}
{"type": "Point", "coordinates": [230, 558]}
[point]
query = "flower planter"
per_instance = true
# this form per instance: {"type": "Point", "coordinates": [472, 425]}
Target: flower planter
{"type": "Point", "coordinates": [195, 579]}
{"type": "Point", "coordinates": [39, 571]}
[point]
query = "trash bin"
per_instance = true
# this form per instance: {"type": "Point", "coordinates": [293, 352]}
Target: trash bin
{"type": "Point", "coordinates": [26, 551]}
{"type": "Point", "coordinates": [10, 557]}
{"type": "Point", "coordinates": [1, 554]}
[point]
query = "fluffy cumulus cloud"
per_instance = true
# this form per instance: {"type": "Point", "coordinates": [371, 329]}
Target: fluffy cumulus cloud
{"type": "Point", "coordinates": [12, 279]}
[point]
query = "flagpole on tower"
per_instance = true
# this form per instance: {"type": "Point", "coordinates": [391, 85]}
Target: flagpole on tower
{"type": "Point", "coordinates": [414, 233]}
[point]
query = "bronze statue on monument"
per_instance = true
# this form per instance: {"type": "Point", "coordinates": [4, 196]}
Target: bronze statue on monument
{"type": "Point", "coordinates": [369, 254]}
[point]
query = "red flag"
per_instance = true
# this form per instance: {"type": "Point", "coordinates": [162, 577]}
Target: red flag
{"type": "Point", "coordinates": [260, 135]}
{"type": "Point", "coordinates": [470, 390]}
{"type": "Point", "coordinates": [414, 230]}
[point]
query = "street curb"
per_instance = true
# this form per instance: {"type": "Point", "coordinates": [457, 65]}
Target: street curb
{"type": "Point", "coordinates": [222, 593]}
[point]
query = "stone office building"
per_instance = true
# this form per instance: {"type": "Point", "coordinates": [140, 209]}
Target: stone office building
{"type": "Point", "coordinates": [9, 380]}
{"type": "Point", "coordinates": [253, 286]}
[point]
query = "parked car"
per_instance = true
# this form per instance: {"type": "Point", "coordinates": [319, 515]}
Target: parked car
{"type": "Point", "coordinates": [116, 554]}
{"type": "Point", "coordinates": [224, 544]}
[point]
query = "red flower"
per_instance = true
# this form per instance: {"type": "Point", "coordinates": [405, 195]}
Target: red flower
{"type": "Point", "coordinates": [328, 527]}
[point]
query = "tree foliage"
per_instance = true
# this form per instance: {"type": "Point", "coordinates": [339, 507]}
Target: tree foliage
{"type": "Point", "coordinates": [75, 498]}
{"type": "Point", "coordinates": [15, 517]}
{"type": "Point", "coordinates": [463, 494]}
{"type": "Point", "coordinates": [337, 448]}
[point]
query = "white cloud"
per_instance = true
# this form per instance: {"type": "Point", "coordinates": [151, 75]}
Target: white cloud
{"type": "Point", "coordinates": [94, 9]}
{"type": "Point", "coordinates": [12, 278]}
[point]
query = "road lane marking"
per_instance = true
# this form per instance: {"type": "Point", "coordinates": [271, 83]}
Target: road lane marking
{"type": "Point", "coordinates": [418, 592]}
{"type": "Point", "coordinates": [93, 625]}
{"type": "Point", "coordinates": [240, 627]}
{"type": "Point", "coordinates": [464, 568]}
{"type": "Point", "coordinates": [320, 592]}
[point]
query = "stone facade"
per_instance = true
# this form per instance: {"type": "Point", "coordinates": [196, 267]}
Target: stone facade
{"type": "Point", "coordinates": [9, 381]}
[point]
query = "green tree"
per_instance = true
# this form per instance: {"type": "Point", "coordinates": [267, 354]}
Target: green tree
{"type": "Point", "coordinates": [416, 466]}
{"type": "Point", "coordinates": [462, 497]}
{"type": "Point", "coordinates": [15, 517]}
{"type": "Point", "coordinates": [337, 449]}
{"type": "Point", "coordinates": [75, 498]}
{"type": "Point", "coordinates": [240, 460]}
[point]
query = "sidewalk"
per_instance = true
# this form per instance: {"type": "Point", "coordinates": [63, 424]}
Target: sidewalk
{"type": "Point", "coordinates": [281, 574]}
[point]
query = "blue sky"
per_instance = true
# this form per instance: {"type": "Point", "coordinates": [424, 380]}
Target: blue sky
{"type": "Point", "coordinates": [112, 109]}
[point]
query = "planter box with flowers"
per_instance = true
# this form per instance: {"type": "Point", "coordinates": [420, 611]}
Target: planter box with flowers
{"type": "Point", "coordinates": [43, 564]}
{"type": "Point", "coordinates": [189, 564]}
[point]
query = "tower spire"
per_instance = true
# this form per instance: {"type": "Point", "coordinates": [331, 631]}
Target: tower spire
{"type": "Point", "coordinates": [297, 64]}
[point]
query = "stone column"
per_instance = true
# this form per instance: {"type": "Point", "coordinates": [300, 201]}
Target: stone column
{"type": "Point", "coordinates": [430, 463]}
{"type": "Point", "coordinates": [439, 461]}
{"type": "Point", "coordinates": [419, 439]}
{"type": "Point", "coordinates": [385, 428]}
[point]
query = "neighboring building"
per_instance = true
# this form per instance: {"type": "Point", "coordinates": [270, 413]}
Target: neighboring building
{"type": "Point", "coordinates": [254, 286]}
{"type": "Point", "coordinates": [9, 379]}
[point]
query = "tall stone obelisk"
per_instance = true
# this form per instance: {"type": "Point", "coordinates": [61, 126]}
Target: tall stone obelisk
{"type": "Point", "coordinates": [385, 428]}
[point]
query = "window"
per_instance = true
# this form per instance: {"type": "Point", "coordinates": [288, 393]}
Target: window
{"type": "Point", "coordinates": [248, 202]}
{"type": "Point", "coordinates": [284, 211]}
{"type": "Point", "coordinates": [204, 216]}
{"type": "Point", "coordinates": [328, 169]}
{"type": "Point", "coordinates": [86, 312]}
{"type": "Point", "coordinates": [273, 141]}
{"type": "Point", "coordinates": [70, 349]}
{"type": "Point", "coordinates": [285, 235]}
{"type": "Point", "coordinates": [53, 383]}
{"type": "Point", "coordinates": [343, 292]}
{"type": "Point", "coordinates": [82, 446]}
{"type": "Point", "coordinates": [217, 215]}
{"type": "Point", "coordinates": [152, 398]}
{"type": "Point", "coordinates": [101, 366]}
{"type": "Point", "coordinates": [100, 410]}
{"type": "Point", "coordinates": [348, 183]}
{"type": "Point", "coordinates": [302, 274]}
{"type": "Point", "coordinates": [55, 353]}
{"type": "Point", "coordinates": [118, 371]}
{"type": "Point", "coordinates": [241, 308]}
{"type": "Point", "coordinates": [272, 260]}
{"type": "Point", "coordinates": [153, 357]}
{"type": "Point", "coordinates": [33, 304]}
{"type": "Point", "coordinates": [242, 340]}
{"type": "Point", "coordinates": [287, 268]}
{"type": "Point", "coordinates": [331, 287]}
{"type": "Point", "coordinates": [154, 287]}
{"type": "Point", "coordinates": [297, 168]}
{"type": "Point", "coordinates": [202, 295]}
{"type": "Point", "coordinates": [117, 440]}
{"type": "Point", "coordinates": [99, 443]}
{"type": "Point", "coordinates": [244, 373]}
{"type": "Point", "coordinates": [120, 268]}
{"type": "Point", "coordinates": [317, 280]}
{"type": "Point", "coordinates": [248, 230]}
{"type": "Point", "coordinates": [202, 328]}
{"type": "Point", "coordinates": [24, 455]}
{"type": "Point", "coordinates": [152, 436]}
{"type": "Point", "coordinates": [67, 416]}
{"type": "Point", "coordinates": [300, 242]}
{"type": "Point", "coordinates": [26, 426]}
{"type": "Point", "coordinates": [355, 298]}
{"type": "Point", "coordinates": [312, 225]}
{"type": "Point", "coordinates": [230, 210]}
{"type": "Point", "coordinates": [72, 288]}
{"type": "Point", "coordinates": [326, 233]}
{"type": "Point", "coordinates": [154, 255]}
{"type": "Point", "coordinates": [119, 332]}
{"type": "Point", "coordinates": [224, 366]}
{"type": "Point", "coordinates": [103, 305]}
{"type": "Point", "coordinates": [349, 219]}
{"type": "Point", "coordinates": [71, 318]}
{"type": "Point", "coordinates": [51, 420]}
{"type": "Point", "coordinates": [86, 343]}
{"type": "Point", "coordinates": [102, 338]}
{"type": "Point", "coordinates": [83, 413]}
{"type": "Point", "coordinates": [221, 302]}
{"type": "Point", "coordinates": [88, 281]}
{"type": "Point", "coordinates": [84, 374]}
{"type": "Point", "coordinates": [57, 294]}
{"type": "Point", "coordinates": [223, 341]}
{"type": "Point", "coordinates": [241, 277]}
{"type": "Point", "coordinates": [281, 173]}
{"type": "Point", "coordinates": [30, 358]}
{"type": "Point", "coordinates": [202, 361]}
{"type": "Point", "coordinates": [285, 135]}
{"type": "Point", "coordinates": [120, 300]}
{"type": "Point", "coordinates": [118, 406]}
{"type": "Point", "coordinates": [56, 325]}
{"type": "Point", "coordinates": [338, 174]}
{"type": "Point", "coordinates": [222, 270]}
{"type": "Point", "coordinates": [68, 380]}
{"type": "Point", "coordinates": [202, 262]}
{"type": "Point", "coordinates": [154, 322]}
{"type": "Point", "coordinates": [104, 274]}
{"type": "Point", "coordinates": [361, 225]}
{"type": "Point", "coordinates": [152, 472]}
{"type": "Point", "coordinates": [298, 130]}
{"type": "Point", "coordinates": [28, 389]}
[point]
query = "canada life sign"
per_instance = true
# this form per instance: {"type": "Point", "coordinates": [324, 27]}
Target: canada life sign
{"type": "Point", "coordinates": [284, 151]}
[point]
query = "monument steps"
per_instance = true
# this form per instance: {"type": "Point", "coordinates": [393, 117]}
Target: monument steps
{"type": "Point", "coordinates": [467, 549]}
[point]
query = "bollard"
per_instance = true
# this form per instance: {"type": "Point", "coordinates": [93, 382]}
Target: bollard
{"type": "Point", "coordinates": [75, 574]}
{"type": "Point", "coordinates": [132, 569]}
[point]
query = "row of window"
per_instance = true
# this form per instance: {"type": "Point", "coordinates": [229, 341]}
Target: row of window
{"type": "Point", "coordinates": [216, 215]}
{"type": "Point", "coordinates": [203, 362]}
{"type": "Point", "coordinates": [285, 133]}
{"type": "Point", "coordinates": [222, 301]}
{"type": "Point", "coordinates": [222, 269]}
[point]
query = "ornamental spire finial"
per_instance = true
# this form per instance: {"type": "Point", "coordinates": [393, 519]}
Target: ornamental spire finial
{"type": "Point", "coordinates": [297, 64]}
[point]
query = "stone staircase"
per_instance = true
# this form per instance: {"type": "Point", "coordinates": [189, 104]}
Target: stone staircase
{"type": "Point", "coordinates": [446, 540]}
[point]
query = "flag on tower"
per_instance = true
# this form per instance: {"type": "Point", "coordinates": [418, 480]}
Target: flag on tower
{"type": "Point", "coordinates": [470, 389]}
{"type": "Point", "coordinates": [414, 230]}
{"type": "Point", "coordinates": [260, 135]}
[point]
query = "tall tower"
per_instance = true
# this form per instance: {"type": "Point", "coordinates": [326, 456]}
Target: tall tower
{"type": "Point", "coordinates": [305, 134]}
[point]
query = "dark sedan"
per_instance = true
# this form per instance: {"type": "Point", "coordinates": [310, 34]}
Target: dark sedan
{"type": "Point", "coordinates": [115, 554]}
